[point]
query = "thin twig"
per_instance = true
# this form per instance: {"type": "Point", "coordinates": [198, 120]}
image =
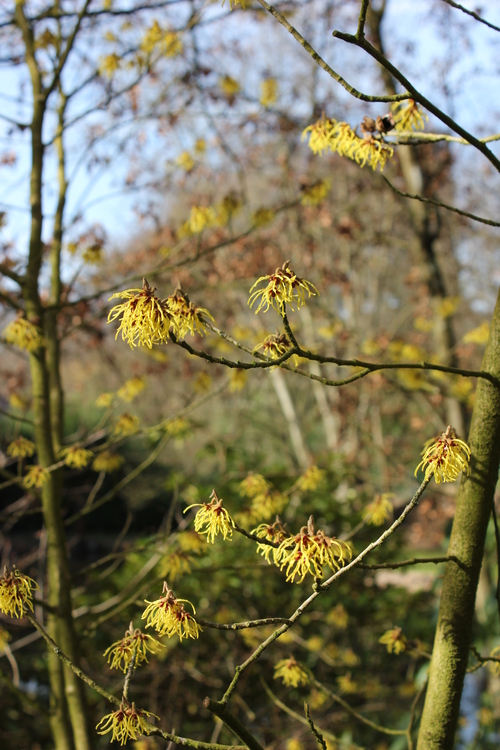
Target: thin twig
{"type": "Point", "coordinates": [434, 202]}
{"type": "Point", "coordinates": [317, 734]}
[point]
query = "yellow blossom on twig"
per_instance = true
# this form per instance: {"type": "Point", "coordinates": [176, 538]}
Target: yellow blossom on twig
{"type": "Point", "coordinates": [130, 389]}
{"type": "Point", "coordinates": [394, 640]}
{"type": "Point", "coordinates": [127, 425]}
{"type": "Point", "coordinates": [275, 346]}
{"type": "Point", "coordinates": [169, 617]}
{"type": "Point", "coordinates": [291, 673]}
{"type": "Point", "coordinates": [445, 458]}
{"type": "Point", "coordinates": [136, 644]}
{"type": "Point", "coordinates": [104, 400]}
{"type": "Point", "coordinates": [107, 461]}
{"type": "Point", "coordinates": [16, 593]}
{"type": "Point", "coordinates": [408, 115]}
{"type": "Point", "coordinates": [229, 86]}
{"type": "Point", "coordinates": [314, 194]}
{"type": "Point", "coordinates": [379, 509]}
{"type": "Point", "coordinates": [283, 287]}
{"type": "Point", "coordinates": [144, 320]}
{"type": "Point", "coordinates": [309, 551]}
{"type": "Point", "coordinates": [76, 457]}
{"type": "Point", "coordinates": [23, 334]}
{"type": "Point", "coordinates": [36, 476]}
{"type": "Point", "coordinates": [311, 479]}
{"type": "Point", "coordinates": [268, 92]}
{"type": "Point", "coordinates": [21, 447]}
{"type": "Point", "coordinates": [212, 519]}
{"type": "Point", "coordinates": [185, 317]}
{"type": "Point", "coordinates": [263, 216]}
{"type": "Point", "coordinates": [128, 723]}
{"type": "Point", "coordinates": [253, 485]}
{"type": "Point", "coordinates": [271, 532]}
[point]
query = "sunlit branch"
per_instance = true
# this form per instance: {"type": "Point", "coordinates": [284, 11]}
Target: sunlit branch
{"type": "Point", "coordinates": [482, 660]}
{"type": "Point", "coordinates": [319, 60]}
{"type": "Point", "coordinates": [152, 730]}
{"type": "Point", "coordinates": [319, 588]}
{"type": "Point", "coordinates": [434, 202]}
{"type": "Point", "coordinates": [315, 731]}
{"type": "Point", "coordinates": [412, 561]}
{"type": "Point", "coordinates": [472, 13]}
{"type": "Point", "coordinates": [416, 95]}
{"type": "Point", "coordinates": [353, 712]}
{"type": "Point", "coordinates": [367, 367]}
{"type": "Point", "coordinates": [241, 625]}
{"type": "Point", "coordinates": [298, 716]}
{"type": "Point", "coordinates": [221, 711]}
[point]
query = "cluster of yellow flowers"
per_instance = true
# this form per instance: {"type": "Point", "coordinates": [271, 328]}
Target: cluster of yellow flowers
{"type": "Point", "coordinates": [338, 137]}
{"type": "Point", "coordinates": [36, 476]}
{"type": "Point", "coordinates": [291, 673]}
{"type": "Point", "coordinates": [265, 501]}
{"type": "Point", "coordinates": [394, 640]}
{"type": "Point", "coordinates": [20, 448]}
{"type": "Point", "coordinates": [283, 287]}
{"type": "Point", "coordinates": [156, 39]}
{"type": "Point", "coordinates": [408, 115]}
{"type": "Point", "coordinates": [134, 645]}
{"type": "Point", "coordinates": [271, 532]}
{"type": "Point", "coordinates": [23, 334]}
{"type": "Point", "coordinates": [275, 346]}
{"type": "Point", "coordinates": [309, 551]}
{"type": "Point", "coordinates": [212, 519]}
{"type": "Point", "coordinates": [76, 457]}
{"type": "Point", "coordinates": [125, 724]}
{"type": "Point", "coordinates": [445, 458]}
{"type": "Point", "coordinates": [107, 461]}
{"type": "Point", "coordinates": [16, 593]}
{"type": "Point", "coordinates": [169, 617]}
{"type": "Point", "coordinates": [379, 509]}
{"type": "Point", "coordinates": [146, 320]}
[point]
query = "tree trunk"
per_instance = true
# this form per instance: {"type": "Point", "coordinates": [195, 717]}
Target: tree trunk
{"type": "Point", "coordinates": [456, 611]}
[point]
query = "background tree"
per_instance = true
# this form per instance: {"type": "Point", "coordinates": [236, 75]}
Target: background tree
{"type": "Point", "coordinates": [241, 207]}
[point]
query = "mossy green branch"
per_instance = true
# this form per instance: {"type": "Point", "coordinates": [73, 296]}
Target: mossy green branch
{"type": "Point", "coordinates": [456, 612]}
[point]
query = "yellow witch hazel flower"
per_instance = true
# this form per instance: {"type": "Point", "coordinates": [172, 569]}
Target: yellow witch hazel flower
{"type": "Point", "coordinates": [253, 485]}
{"type": "Point", "coordinates": [127, 425]}
{"type": "Point", "coordinates": [229, 86]}
{"type": "Point", "coordinates": [275, 346]}
{"type": "Point", "coordinates": [271, 532]}
{"type": "Point", "coordinates": [408, 115]}
{"type": "Point", "coordinates": [379, 510]}
{"type": "Point", "coordinates": [134, 644]}
{"type": "Point", "coordinates": [445, 458]}
{"type": "Point", "coordinates": [291, 673]}
{"type": "Point", "coordinates": [214, 517]}
{"type": "Point", "coordinates": [309, 551]}
{"type": "Point", "coordinates": [77, 457]}
{"type": "Point", "coordinates": [130, 389]}
{"type": "Point", "coordinates": [200, 218]}
{"type": "Point", "coordinates": [185, 317]}
{"type": "Point", "coordinates": [104, 400]}
{"type": "Point", "coordinates": [311, 479]}
{"type": "Point", "coordinates": [144, 319]}
{"type": "Point", "coordinates": [263, 216]}
{"type": "Point", "coordinates": [128, 723]}
{"type": "Point", "coordinates": [36, 476]}
{"type": "Point", "coordinates": [283, 287]}
{"type": "Point", "coordinates": [20, 448]}
{"type": "Point", "coordinates": [394, 640]}
{"type": "Point", "coordinates": [23, 334]}
{"type": "Point", "coordinates": [16, 593]}
{"type": "Point", "coordinates": [339, 137]}
{"type": "Point", "coordinates": [169, 617]}
{"type": "Point", "coordinates": [314, 194]}
{"type": "Point", "coordinates": [268, 92]}
{"type": "Point", "coordinates": [107, 461]}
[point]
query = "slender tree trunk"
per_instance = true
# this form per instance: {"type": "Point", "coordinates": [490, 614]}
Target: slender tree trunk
{"type": "Point", "coordinates": [456, 611]}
